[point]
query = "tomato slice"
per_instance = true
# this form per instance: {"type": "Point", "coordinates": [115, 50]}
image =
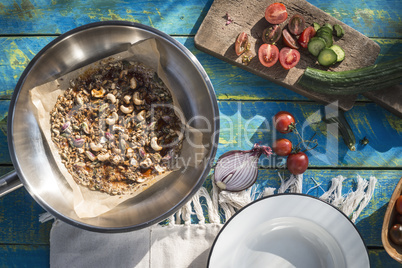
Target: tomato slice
{"type": "Point", "coordinates": [241, 44]}
{"type": "Point", "coordinates": [296, 24]}
{"type": "Point", "coordinates": [289, 40]}
{"type": "Point", "coordinates": [289, 57]}
{"type": "Point", "coordinates": [272, 34]}
{"type": "Point", "coordinates": [276, 13]}
{"type": "Point", "coordinates": [306, 35]}
{"type": "Point", "coordinates": [268, 54]}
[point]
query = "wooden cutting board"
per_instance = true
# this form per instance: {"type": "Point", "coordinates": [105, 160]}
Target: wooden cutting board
{"type": "Point", "coordinates": [217, 38]}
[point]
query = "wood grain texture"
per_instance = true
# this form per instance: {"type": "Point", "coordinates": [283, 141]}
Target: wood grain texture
{"type": "Point", "coordinates": [217, 39]}
{"type": "Point", "coordinates": [60, 16]}
{"type": "Point", "coordinates": [28, 25]}
{"type": "Point", "coordinates": [24, 256]}
{"type": "Point", "coordinates": [374, 18]}
{"type": "Point", "coordinates": [25, 228]}
{"type": "Point", "coordinates": [246, 123]}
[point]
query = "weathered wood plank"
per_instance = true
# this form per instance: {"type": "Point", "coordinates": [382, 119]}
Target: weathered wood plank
{"type": "Point", "coordinates": [41, 16]}
{"type": "Point", "coordinates": [373, 18]}
{"type": "Point", "coordinates": [246, 123]}
{"type": "Point", "coordinates": [230, 82]}
{"type": "Point", "coordinates": [28, 256]}
{"type": "Point", "coordinates": [24, 227]}
{"type": "Point", "coordinates": [19, 256]}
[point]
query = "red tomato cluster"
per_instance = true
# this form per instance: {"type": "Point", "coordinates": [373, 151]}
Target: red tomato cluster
{"type": "Point", "coordinates": [297, 162]}
{"type": "Point", "coordinates": [268, 53]}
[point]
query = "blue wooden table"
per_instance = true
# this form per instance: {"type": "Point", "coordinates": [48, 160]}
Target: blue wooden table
{"type": "Point", "coordinates": [27, 26]}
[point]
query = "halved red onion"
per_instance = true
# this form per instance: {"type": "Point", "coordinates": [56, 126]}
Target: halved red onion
{"type": "Point", "coordinates": [238, 170]}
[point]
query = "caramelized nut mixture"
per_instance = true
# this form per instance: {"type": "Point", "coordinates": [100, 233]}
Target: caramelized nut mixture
{"type": "Point", "coordinates": [116, 128]}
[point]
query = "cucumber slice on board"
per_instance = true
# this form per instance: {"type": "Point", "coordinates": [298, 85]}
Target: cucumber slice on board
{"type": "Point", "coordinates": [340, 53]}
{"type": "Point", "coordinates": [327, 57]}
{"type": "Point", "coordinates": [315, 45]}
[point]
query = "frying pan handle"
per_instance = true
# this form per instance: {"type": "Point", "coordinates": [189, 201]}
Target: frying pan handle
{"type": "Point", "coordinates": [9, 182]}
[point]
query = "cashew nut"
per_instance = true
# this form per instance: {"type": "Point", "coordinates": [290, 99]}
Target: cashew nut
{"type": "Point", "coordinates": [155, 145]}
{"type": "Point", "coordinates": [98, 93]}
{"type": "Point", "coordinates": [136, 99]}
{"type": "Point", "coordinates": [103, 157]}
{"type": "Point", "coordinates": [111, 97]}
{"type": "Point", "coordinates": [133, 162]}
{"type": "Point", "coordinates": [127, 110]}
{"type": "Point", "coordinates": [95, 147]}
{"type": "Point", "coordinates": [141, 116]}
{"type": "Point", "coordinates": [112, 120]}
{"type": "Point", "coordinates": [122, 73]}
{"type": "Point", "coordinates": [146, 163]}
{"type": "Point", "coordinates": [133, 83]}
{"type": "Point", "coordinates": [127, 99]}
{"type": "Point", "coordinates": [90, 156]}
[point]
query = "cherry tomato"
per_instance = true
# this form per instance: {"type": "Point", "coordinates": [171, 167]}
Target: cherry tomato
{"type": "Point", "coordinates": [395, 233]}
{"type": "Point", "coordinates": [276, 13]}
{"type": "Point", "coordinates": [284, 122]}
{"type": "Point", "coordinates": [268, 54]}
{"type": "Point", "coordinates": [289, 40]}
{"type": "Point", "coordinates": [398, 205]}
{"type": "Point", "coordinates": [241, 44]}
{"type": "Point", "coordinates": [282, 147]}
{"type": "Point", "coordinates": [289, 57]}
{"type": "Point", "coordinates": [271, 34]}
{"type": "Point", "coordinates": [296, 24]}
{"type": "Point", "coordinates": [306, 35]}
{"type": "Point", "coordinates": [297, 163]}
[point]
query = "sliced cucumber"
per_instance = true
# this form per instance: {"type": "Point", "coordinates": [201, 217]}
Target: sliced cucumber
{"type": "Point", "coordinates": [340, 53]}
{"type": "Point", "coordinates": [324, 30]}
{"type": "Point", "coordinates": [338, 30]}
{"type": "Point", "coordinates": [316, 26]}
{"type": "Point", "coordinates": [328, 25]}
{"type": "Point", "coordinates": [327, 57]}
{"type": "Point", "coordinates": [315, 45]}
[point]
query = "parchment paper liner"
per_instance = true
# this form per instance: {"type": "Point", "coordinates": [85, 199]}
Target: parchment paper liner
{"type": "Point", "coordinates": [88, 203]}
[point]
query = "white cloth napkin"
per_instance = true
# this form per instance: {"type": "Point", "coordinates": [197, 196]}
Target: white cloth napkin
{"type": "Point", "coordinates": [178, 246]}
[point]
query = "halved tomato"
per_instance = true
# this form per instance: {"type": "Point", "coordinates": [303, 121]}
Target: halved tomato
{"type": "Point", "coordinates": [268, 54]}
{"type": "Point", "coordinates": [289, 40]}
{"type": "Point", "coordinates": [276, 13]}
{"type": "Point", "coordinates": [306, 35]}
{"type": "Point", "coordinates": [289, 57]}
{"type": "Point", "coordinates": [241, 44]}
{"type": "Point", "coordinates": [296, 24]}
{"type": "Point", "coordinates": [271, 34]}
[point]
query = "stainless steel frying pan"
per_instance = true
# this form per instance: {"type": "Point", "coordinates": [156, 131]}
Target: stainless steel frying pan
{"type": "Point", "coordinates": [30, 155]}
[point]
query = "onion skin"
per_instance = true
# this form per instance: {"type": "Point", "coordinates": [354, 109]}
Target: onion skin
{"type": "Point", "coordinates": [238, 170]}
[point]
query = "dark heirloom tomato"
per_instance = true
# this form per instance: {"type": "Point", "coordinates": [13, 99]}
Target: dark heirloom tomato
{"type": "Point", "coordinates": [282, 147]}
{"type": "Point", "coordinates": [289, 57]}
{"type": "Point", "coordinates": [241, 44]}
{"type": "Point", "coordinates": [268, 54]}
{"type": "Point", "coordinates": [398, 205]}
{"type": "Point", "coordinates": [395, 233]}
{"type": "Point", "coordinates": [284, 122]}
{"type": "Point", "coordinates": [271, 34]}
{"type": "Point", "coordinates": [289, 40]}
{"type": "Point", "coordinates": [306, 35]}
{"type": "Point", "coordinates": [297, 163]}
{"type": "Point", "coordinates": [276, 13]}
{"type": "Point", "coordinates": [296, 24]}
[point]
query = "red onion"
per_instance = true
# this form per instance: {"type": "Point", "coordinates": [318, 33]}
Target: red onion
{"type": "Point", "coordinates": [238, 170]}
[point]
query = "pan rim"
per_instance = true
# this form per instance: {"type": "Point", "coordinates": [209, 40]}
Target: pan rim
{"type": "Point", "coordinates": [21, 82]}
